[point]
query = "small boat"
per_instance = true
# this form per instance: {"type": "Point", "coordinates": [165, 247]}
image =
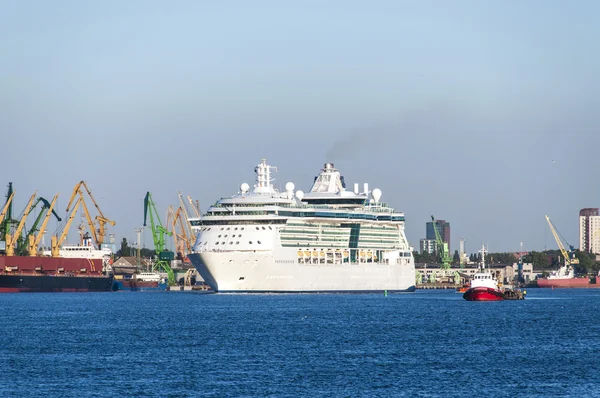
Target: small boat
{"type": "Point", "coordinates": [484, 286]}
{"type": "Point", "coordinates": [462, 289]}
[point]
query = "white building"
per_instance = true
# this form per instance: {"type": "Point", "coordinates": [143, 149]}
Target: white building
{"type": "Point", "coordinates": [428, 245]}
{"type": "Point", "coordinates": [589, 230]}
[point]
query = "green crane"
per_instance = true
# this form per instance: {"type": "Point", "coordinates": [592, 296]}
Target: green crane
{"type": "Point", "coordinates": [158, 235]}
{"type": "Point", "coordinates": [442, 247]}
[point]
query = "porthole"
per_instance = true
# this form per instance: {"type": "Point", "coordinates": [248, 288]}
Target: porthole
{"type": "Point", "coordinates": [231, 243]}
{"type": "Point", "coordinates": [224, 236]}
{"type": "Point", "coordinates": [250, 242]}
{"type": "Point", "coordinates": [263, 228]}
{"type": "Point", "coordinates": [242, 228]}
{"type": "Point", "coordinates": [216, 243]}
{"type": "Point", "coordinates": [270, 227]}
{"type": "Point", "coordinates": [235, 229]}
{"type": "Point", "coordinates": [228, 228]}
{"type": "Point", "coordinates": [219, 236]}
{"type": "Point", "coordinates": [221, 229]}
{"type": "Point", "coordinates": [240, 235]}
{"type": "Point", "coordinates": [258, 242]}
{"type": "Point", "coordinates": [237, 243]}
{"type": "Point", "coordinates": [222, 243]}
{"type": "Point", "coordinates": [257, 228]}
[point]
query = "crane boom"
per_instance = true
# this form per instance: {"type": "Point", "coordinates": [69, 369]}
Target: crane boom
{"type": "Point", "coordinates": [569, 260]}
{"type": "Point", "coordinates": [45, 206]}
{"type": "Point", "coordinates": [11, 239]}
{"type": "Point", "coordinates": [34, 241]}
{"type": "Point", "coordinates": [57, 241]}
{"type": "Point", "coordinates": [195, 207]}
{"type": "Point", "coordinates": [6, 206]}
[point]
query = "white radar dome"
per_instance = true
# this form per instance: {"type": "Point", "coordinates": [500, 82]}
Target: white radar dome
{"type": "Point", "coordinates": [244, 187]}
{"type": "Point", "coordinates": [289, 186]}
{"type": "Point", "coordinates": [376, 194]}
{"type": "Point", "coordinates": [299, 194]}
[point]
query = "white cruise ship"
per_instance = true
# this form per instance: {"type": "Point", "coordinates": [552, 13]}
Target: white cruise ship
{"type": "Point", "coordinates": [327, 240]}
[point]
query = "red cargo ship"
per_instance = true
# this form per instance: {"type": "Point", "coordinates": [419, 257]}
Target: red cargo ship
{"type": "Point", "coordinates": [52, 274]}
{"type": "Point", "coordinates": [574, 282]}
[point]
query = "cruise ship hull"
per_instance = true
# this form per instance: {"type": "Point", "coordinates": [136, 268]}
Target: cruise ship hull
{"type": "Point", "coordinates": [258, 272]}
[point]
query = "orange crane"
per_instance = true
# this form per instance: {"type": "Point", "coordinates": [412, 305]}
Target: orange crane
{"type": "Point", "coordinates": [99, 233]}
{"type": "Point", "coordinates": [58, 240]}
{"type": "Point", "coordinates": [12, 239]}
{"type": "Point", "coordinates": [178, 227]}
{"type": "Point", "coordinates": [34, 241]}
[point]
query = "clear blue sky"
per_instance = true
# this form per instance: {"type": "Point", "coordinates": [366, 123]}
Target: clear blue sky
{"type": "Point", "coordinates": [452, 108]}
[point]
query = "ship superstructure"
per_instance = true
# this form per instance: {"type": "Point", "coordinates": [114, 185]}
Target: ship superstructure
{"type": "Point", "coordinates": [326, 240]}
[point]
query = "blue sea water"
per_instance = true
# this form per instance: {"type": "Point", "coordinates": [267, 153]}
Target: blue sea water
{"type": "Point", "coordinates": [422, 344]}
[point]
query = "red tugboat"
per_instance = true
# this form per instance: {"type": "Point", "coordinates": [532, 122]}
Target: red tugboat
{"type": "Point", "coordinates": [484, 286]}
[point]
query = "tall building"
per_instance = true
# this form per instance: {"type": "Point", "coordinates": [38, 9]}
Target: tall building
{"type": "Point", "coordinates": [444, 229]}
{"type": "Point", "coordinates": [589, 230]}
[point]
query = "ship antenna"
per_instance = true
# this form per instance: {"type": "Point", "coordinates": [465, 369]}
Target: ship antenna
{"type": "Point", "coordinates": [483, 251]}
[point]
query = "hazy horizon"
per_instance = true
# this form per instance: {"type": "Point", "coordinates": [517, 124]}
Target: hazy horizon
{"type": "Point", "coordinates": [483, 114]}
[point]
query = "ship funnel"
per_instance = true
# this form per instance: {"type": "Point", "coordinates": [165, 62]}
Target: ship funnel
{"type": "Point", "coordinates": [366, 187]}
{"type": "Point", "coordinates": [356, 188]}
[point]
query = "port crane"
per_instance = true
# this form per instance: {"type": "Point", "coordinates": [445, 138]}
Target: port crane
{"type": "Point", "coordinates": [569, 257]}
{"type": "Point", "coordinates": [98, 233]}
{"type": "Point", "coordinates": [33, 240]}
{"type": "Point", "coordinates": [11, 239]}
{"type": "Point", "coordinates": [46, 206]}
{"type": "Point", "coordinates": [444, 256]}
{"type": "Point", "coordinates": [158, 235]}
{"type": "Point", "coordinates": [179, 228]}
{"type": "Point", "coordinates": [442, 247]}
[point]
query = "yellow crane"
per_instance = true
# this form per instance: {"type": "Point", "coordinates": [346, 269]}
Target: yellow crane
{"type": "Point", "coordinates": [569, 259]}
{"type": "Point", "coordinates": [12, 239]}
{"type": "Point", "coordinates": [58, 240]}
{"type": "Point", "coordinates": [33, 243]}
{"type": "Point", "coordinates": [99, 233]}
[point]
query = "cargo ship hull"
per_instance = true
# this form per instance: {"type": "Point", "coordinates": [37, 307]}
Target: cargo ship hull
{"type": "Point", "coordinates": [567, 283]}
{"type": "Point", "coordinates": [37, 283]}
{"type": "Point", "coordinates": [50, 274]}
